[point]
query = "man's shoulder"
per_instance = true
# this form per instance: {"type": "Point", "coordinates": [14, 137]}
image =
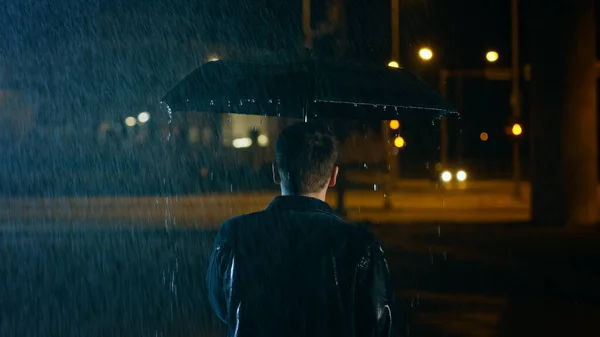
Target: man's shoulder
{"type": "Point", "coordinates": [233, 222]}
{"type": "Point", "coordinates": [359, 233]}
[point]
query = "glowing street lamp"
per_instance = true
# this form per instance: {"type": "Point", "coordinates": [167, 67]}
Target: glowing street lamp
{"type": "Point", "coordinates": [393, 64]}
{"type": "Point", "coordinates": [425, 54]}
{"type": "Point", "coordinates": [517, 130]}
{"type": "Point", "coordinates": [394, 124]}
{"type": "Point", "coordinates": [399, 142]}
{"type": "Point", "coordinates": [492, 56]}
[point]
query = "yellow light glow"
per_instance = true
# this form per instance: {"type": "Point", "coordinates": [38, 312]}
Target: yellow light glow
{"type": "Point", "coordinates": [143, 117]}
{"type": "Point", "coordinates": [517, 130]}
{"type": "Point", "coordinates": [263, 140]}
{"type": "Point", "coordinates": [399, 142]}
{"type": "Point", "coordinates": [492, 56]}
{"type": "Point", "coordinates": [446, 176]}
{"type": "Point", "coordinates": [461, 175]}
{"type": "Point", "coordinates": [130, 121]}
{"type": "Point", "coordinates": [394, 125]}
{"type": "Point", "coordinates": [425, 54]}
{"type": "Point", "coordinates": [213, 59]}
{"type": "Point", "coordinates": [241, 143]}
{"type": "Point", "coordinates": [484, 136]}
{"type": "Point", "coordinates": [393, 64]}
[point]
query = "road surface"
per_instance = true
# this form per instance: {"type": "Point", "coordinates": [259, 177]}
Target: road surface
{"type": "Point", "coordinates": [209, 210]}
{"type": "Point", "coordinates": [412, 201]}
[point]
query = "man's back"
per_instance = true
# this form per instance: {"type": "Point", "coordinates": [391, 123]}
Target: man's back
{"type": "Point", "coordinates": [296, 269]}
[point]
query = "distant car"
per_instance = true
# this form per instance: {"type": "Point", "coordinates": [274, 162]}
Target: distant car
{"type": "Point", "coordinates": [451, 176]}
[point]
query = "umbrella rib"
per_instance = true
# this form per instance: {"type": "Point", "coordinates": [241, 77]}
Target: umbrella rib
{"type": "Point", "coordinates": [370, 104]}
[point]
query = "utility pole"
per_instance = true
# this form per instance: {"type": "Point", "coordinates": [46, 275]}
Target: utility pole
{"type": "Point", "coordinates": [395, 30]}
{"type": "Point", "coordinates": [306, 24]}
{"type": "Point", "coordinates": [391, 153]}
{"type": "Point", "coordinates": [443, 122]}
{"type": "Point", "coordinates": [516, 96]}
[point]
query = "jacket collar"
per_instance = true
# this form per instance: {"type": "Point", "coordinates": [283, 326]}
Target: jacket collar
{"type": "Point", "coordinates": [300, 203]}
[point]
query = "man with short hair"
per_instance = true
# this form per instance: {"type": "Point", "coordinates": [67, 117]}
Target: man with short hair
{"type": "Point", "coordinates": [296, 268]}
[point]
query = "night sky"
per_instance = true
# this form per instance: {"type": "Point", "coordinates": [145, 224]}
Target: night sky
{"type": "Point", "coordinates": [90, 59]}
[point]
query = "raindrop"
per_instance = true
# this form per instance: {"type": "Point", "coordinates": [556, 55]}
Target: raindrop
{"type": "Point", "coordinates": [355, 105]}
{"type": "Point", "coordinates": [365, 165]}
{"type": "Point", "coordinates": [430, 255]}
{"type": "Point", "coordinates": [270, 101]}
{"type": "Point", "coordinates": [375, 187]}
{"type": "Point", "coordinates": [212, 102]}
{"type": "Point", "coordinates": [439, 229]}
{"type": "Point", "coordinates": [173, 288]}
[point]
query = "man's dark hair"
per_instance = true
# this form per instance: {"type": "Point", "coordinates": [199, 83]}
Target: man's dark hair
{"type": "Point", "coordinates": [306, 154]}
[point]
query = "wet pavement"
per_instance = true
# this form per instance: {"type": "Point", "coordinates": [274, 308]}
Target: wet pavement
{"type": "Point", "coordinates": [453, 280]}
{"type": "Point", "coordinates": [209, 209]}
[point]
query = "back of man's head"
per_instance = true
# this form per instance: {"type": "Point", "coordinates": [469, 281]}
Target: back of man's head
{"type": "Point", "coordinates": [305, 155]}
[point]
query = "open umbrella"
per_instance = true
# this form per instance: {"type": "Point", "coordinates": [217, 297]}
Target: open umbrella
{"type": "Point", "coordinates": [301, 86]}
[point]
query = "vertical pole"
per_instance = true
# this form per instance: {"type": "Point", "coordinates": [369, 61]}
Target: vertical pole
{"type": "Point", "coordinates": [443, 123]}
{"type": "Point", "coordinates": [516, 95]}
{"type": "Point", "coordinates": [306, 24]}
{"type": "Point", "coordinates": [459, 106]}
{"type": "Point", "coordinates": [391, 159]}
{"type": "Point", "coordinates": [395, 30]}
{"type": "Point", "coordinates": [342, 33]}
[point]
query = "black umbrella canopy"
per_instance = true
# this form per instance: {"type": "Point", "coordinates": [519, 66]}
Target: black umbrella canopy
{"type": "Point", "coordinates": [306, 87]}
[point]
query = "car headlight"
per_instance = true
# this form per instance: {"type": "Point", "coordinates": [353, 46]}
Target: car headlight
{"type": "Point", "coordinates": [446, 176]}
{"type": "Point", "coordinates": [461, 175]}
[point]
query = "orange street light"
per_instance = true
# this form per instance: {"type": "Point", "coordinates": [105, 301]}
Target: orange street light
{"type": "Point", "coordinates": [399, 142]}
{"type": "Point", "coordinates": [517, 130]}
{"type": "Point", "coordinates": [492, 56]}
{"type": "Point", "coordinates": [425, 54]}
{"type": "Point", "coordinates": [394, 124]}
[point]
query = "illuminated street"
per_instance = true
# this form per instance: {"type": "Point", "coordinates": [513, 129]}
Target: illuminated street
{"type": "Point", "coordinates": [412, 201]}
{"type": "Point", "coordinates": [415, 201]}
